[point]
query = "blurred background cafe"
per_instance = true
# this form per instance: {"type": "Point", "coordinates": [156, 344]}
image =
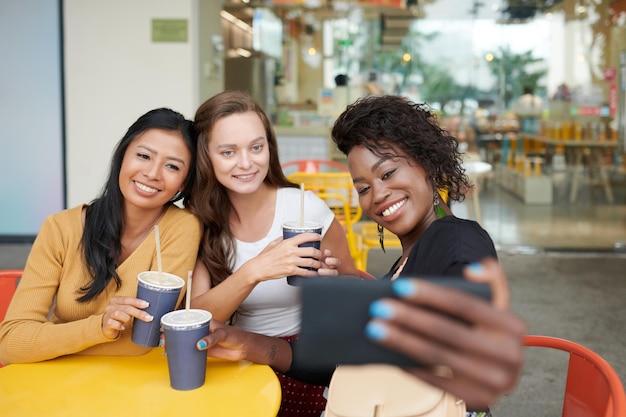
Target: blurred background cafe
{"type": "Point", "coordinates": [552, 178]}
{"type": "Point", "coordinates": [535, 91]}
{"type": "Point", "coordinates": [556, 175]}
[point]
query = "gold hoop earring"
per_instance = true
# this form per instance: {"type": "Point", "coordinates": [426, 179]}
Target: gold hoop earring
{"type": "Point", "coordinates": [381, 237]}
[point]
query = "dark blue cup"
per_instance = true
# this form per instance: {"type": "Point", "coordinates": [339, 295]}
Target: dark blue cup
{"type": "Point", "coordinates": [294, 228]}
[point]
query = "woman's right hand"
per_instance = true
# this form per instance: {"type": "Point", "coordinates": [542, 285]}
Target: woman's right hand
{"type": "Point", "coordinates": [119, 312]}
{"type": "Point", "coordinates": [283, 257]}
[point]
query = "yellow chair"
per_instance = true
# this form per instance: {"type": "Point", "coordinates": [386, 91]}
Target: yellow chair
{"type": "Point", "coordinates": [368, 239]}
{"type": "Point", "coordinates": [337, 190]}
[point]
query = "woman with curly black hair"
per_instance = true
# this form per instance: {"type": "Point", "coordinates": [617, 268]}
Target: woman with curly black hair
{"type": "Point", "coordinates": [399, 158]}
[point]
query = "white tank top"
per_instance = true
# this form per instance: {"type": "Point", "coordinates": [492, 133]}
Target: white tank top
{"type": "Point", "coordinates": [273, 307]}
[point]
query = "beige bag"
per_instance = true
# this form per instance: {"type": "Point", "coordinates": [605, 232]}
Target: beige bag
{"type": "Point", "coordinates": [386, 391]}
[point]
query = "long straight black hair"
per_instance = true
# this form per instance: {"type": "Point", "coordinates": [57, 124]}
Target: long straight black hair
{"type": "Point", "coordinates": [104, 218]}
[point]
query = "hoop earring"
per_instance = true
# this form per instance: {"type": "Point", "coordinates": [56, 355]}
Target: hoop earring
{"type": "Point", "coordinates": [439, 211]}
{"type": "Point", "coordinates": [381, 237]}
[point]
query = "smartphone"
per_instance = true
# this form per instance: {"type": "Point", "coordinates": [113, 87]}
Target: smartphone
{"type": "Point", "coordinates": [335, 312]}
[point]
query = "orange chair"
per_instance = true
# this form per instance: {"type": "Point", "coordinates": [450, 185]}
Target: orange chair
{"type": "Point", "coordinates": [592, 388]}
{"type": "Point", "coordinates": [8, 283]}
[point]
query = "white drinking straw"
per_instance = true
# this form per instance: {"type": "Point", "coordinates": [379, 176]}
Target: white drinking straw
{"type": "Point", "coordinates": [158, 251]}
{"type": "Point", "coordinates": [188, 301]}
{"type": "Point", "coordinates": [301, 204]}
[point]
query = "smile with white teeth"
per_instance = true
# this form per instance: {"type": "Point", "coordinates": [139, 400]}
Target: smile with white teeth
{"type": "Point", "coordinates": [145, 188]}
{"type": "Point", "coordinates": [390, 210]}
{"type": "Point", "coordinates": [244, 177]}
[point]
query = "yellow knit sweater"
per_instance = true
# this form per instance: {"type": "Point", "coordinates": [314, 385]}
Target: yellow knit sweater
{"type": "Point", "coordinates": [44, 319]}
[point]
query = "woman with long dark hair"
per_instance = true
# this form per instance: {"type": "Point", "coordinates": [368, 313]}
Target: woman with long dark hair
{"type": "Point", "coordinates": [77, 293]}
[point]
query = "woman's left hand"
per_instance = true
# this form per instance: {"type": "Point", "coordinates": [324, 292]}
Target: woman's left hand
{"type": "Point", "coordinates": [119, 312]}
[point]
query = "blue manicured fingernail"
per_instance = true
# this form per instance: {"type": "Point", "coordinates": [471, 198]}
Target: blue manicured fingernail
{"type": "Point", "coordinates": [375, 331]}
{"type": "Point", "coordinates": [202, 345]}
{"type": "Point", "coordinates": [476, 268]}
{"type": "Point", "coordinates": [404, 287]}
{"type": "Point", "coordinates": [160, 342]}
{"type": "Point", "coordinates": [381, 310]}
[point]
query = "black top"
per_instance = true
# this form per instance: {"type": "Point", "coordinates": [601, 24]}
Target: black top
{"type": "Point", "coordinates": [445, 248]}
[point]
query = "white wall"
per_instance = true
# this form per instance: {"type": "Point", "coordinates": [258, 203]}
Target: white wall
{"type": "Point", "coordinates": [114, 73]}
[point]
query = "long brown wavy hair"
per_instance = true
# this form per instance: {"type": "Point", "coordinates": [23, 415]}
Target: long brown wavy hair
{"type": "Point", "coordinates": [209, 200]}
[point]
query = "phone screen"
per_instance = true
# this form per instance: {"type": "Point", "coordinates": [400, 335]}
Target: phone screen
{"type": "Point", "coordinates": [335, 312]}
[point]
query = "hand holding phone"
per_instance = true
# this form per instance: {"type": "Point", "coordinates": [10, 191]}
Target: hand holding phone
{"type": "Point", "coordinates": [335, 312]}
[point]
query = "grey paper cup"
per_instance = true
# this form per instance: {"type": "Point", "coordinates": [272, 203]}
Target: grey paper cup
{"type": "Point", "coordinates": [186, 364]}
{"type": "Point", "coordinates": [294, 228]}
{"type": "Point", "coordinates": [161, 292]}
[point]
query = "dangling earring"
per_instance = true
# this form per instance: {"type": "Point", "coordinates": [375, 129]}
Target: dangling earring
{"type": "Point", "coordinates": [381, 237]}
{"type": "Point", "coordinates": [439, 211]}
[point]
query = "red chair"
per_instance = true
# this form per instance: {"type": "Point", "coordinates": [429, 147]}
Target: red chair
{"type": "Point", "coordinates": [313, 165]}
{"type": "Point", "coordinates": [592, 388]}
{"type": "Point", "coordinates": [8, 283]}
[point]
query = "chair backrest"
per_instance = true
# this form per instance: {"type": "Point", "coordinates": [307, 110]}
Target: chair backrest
{"type": "Point", "coordinates": [337, 190]}
{"type": "Point", "coordinates": [8, 283]}
{"type": "Point", "coordinates": [313, 165]}
{"type": "Point", "coordinates": [592, 388]}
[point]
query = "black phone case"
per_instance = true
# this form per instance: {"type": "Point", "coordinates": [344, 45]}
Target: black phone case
{"type": "Point", "coordinates": [335, 312]}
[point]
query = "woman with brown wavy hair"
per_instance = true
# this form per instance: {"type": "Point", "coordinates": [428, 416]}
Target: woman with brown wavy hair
{"type": "Point", "coordinates": [243, 197]}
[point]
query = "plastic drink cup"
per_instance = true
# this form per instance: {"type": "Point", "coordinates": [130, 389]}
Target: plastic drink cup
{"type": "Point", "coordinates": [161, 291]}
{"type": "Point", "coordinates": [186, 364]}
{"type": "Point", "coordinates": [293, 228]}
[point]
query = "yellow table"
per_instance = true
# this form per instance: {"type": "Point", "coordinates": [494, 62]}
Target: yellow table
{"type": "Point", "coordinates": [95, 386]}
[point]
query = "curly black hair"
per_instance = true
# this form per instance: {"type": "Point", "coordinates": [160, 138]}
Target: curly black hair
{"type": "Point", "coordinates": [387, 124]}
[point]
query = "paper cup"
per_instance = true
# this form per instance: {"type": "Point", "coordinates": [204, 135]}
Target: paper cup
{"type": "Point", "coordinates": [161, 292]}
{"type": "Point", "coordinates": [186, 364]}
{"type": "Point", "coordinates": [294, 228]}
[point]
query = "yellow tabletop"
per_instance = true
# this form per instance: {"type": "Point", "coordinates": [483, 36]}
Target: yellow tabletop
{"type": "Point", "coordinates": [78, 385]}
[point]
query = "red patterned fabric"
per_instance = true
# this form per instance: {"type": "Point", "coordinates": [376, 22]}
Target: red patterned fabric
{"type": "Point", "coordinates": [300, 399]}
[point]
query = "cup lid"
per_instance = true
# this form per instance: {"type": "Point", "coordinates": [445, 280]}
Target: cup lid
{"type": "Point", "coordinates": [185, 318]}
{"type": "Point", "coordinates": [306, 225]}
{"type": "Point", "coordinates": [163, 280]}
